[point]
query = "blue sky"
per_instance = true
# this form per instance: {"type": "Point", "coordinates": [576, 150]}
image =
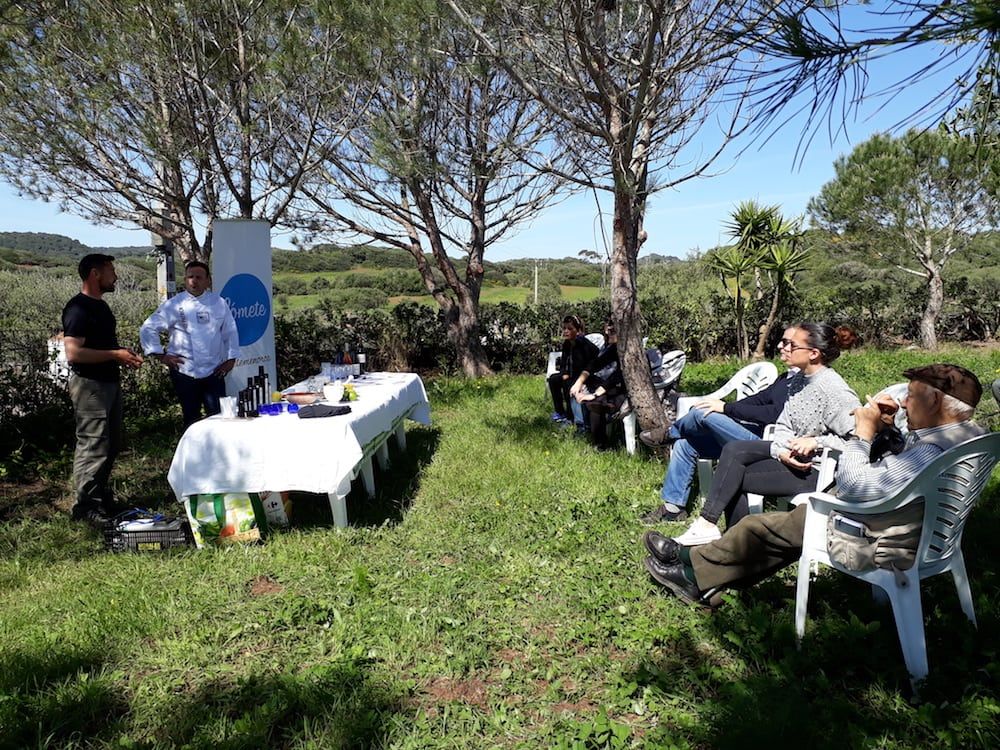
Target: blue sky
{"type": "Point", "coordinates": [679, 221]}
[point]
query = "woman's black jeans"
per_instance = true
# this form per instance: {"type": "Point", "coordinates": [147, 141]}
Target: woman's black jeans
{"type": "Point", "coordinates": [746, 466]}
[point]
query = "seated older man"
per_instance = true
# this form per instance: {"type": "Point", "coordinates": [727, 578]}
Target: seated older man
{"type": "Point", "coordinates": [939, 405]}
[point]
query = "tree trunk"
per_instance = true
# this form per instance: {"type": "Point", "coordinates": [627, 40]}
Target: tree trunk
{"type": "Point", "coordinates": [461, 314]}
{"type": "Point", "coordinates": [462, 321]}
{"type": "Point", "coordinates": [627, 317]}
{"type": "Point", "coordinates": [935, 300]}
{"type": "Point", "coordinates": [765, 329]}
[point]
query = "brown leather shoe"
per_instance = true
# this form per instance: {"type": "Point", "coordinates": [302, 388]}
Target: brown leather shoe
{"type": "Point", "coordinates": [656, 438]}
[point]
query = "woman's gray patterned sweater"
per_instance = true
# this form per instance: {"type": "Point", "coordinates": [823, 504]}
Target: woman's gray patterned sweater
{"type": "Point", "coordinates": [819, 406]}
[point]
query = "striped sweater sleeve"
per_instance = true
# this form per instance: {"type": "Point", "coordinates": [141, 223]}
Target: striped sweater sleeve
{"type": "Point", "coordinates": [858, 480]}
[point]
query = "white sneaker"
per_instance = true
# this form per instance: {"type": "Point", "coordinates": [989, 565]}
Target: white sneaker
{"type": "Point", "coordinates": [695, 536]}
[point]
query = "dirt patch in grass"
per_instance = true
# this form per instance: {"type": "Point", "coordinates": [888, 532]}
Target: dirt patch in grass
{"type": "Point", "coordinates": [582, 706]}
{"type": "Point", "coordinates": [35, 500]}
{"type": "Point", "coordinates": [511, 656]}
{"type": "Point", "coordinates": [264, 586]}
{"type": "Point", "coordinates": [472, 692]}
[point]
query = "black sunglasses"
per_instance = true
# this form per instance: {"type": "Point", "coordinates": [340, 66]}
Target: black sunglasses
{"type": "Point", "coordinates": [789, 344]}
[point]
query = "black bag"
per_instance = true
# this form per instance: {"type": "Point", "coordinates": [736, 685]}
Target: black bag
{"type": "Point", "coordinates": [323, 410]}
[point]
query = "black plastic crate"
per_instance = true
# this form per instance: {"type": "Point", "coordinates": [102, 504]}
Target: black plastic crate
{"type": "Point", "coordinates": [167, 533]}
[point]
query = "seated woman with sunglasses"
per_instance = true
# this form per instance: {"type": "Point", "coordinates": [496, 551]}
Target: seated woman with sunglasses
{"type": "Point", "coordinates": [816, 415]}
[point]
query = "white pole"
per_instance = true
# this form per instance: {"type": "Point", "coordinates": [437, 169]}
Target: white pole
{"type": "Point", "coordinates": [166, 285]}
{"type": "Point", "coordinates": [536, 282]}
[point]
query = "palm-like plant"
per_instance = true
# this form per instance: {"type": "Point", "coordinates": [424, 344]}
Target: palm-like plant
{"type": "Point", "coordinates": [733, 264]}
{"type": "Point", "coordinates": [782, 260]}
{"type": "Point", "coordinates": [765, 241]}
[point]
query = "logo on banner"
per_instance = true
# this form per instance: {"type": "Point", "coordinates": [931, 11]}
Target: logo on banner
{"type": "Point", "coordinates": [250, 304]}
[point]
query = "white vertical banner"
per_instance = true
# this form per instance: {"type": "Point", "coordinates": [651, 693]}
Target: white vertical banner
{"type": "Point", "coordinates": [241, 274]}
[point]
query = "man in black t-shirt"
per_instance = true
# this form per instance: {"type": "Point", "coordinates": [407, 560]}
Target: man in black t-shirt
{"type": "Point", "coordinates": [91, 340]}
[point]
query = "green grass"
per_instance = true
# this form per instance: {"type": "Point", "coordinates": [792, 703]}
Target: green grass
{"type": "Point", "coordinates": [490, 294]}
{"type": "Point", "coordinates": [491, 596]}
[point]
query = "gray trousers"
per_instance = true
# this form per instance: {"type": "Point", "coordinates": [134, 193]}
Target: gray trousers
{"type": "Point", "coordinates": [97, 407]}
{"type": "Point", "coordinates": [751, 550]}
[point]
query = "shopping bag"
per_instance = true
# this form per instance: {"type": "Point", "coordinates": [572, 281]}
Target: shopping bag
{"type": "Point", "coordinates": [277, 508]}
{"type": "Point", "coordinates": [226, 518]}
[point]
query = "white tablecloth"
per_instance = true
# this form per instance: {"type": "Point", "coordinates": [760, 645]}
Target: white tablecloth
{"type": "Point", "coordinates": [287, 453]}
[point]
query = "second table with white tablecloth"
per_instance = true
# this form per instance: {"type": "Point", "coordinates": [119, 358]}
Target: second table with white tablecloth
{"type": "Point", "coordinates": [284, 452]}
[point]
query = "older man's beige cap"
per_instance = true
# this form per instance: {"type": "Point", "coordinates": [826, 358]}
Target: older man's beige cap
{"type": "Point", "coordinates": [954, 380]}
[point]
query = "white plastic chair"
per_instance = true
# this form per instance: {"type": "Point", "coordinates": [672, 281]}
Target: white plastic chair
{"type": "Point", "coordinates": [664, 378]}
{"type": "Point", "coordinates": [747, 381]}
{"type": "Point", "coordinates": [595, 338]}
{"type": "Point", "coordinates": [553, 364]}
{"type": "Point", "coordinates": [949, 487]}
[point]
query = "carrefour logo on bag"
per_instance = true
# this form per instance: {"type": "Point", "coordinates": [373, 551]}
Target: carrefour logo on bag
{"type": "Point", "coordinates": [251, 306]}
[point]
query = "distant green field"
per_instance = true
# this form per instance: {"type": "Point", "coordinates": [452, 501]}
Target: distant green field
{"type": "Point", "coordinates": [490, 295]}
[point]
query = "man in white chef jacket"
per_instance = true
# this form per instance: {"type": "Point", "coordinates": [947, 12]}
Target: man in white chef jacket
{"type": "Point", "coordinates": [202, 343]}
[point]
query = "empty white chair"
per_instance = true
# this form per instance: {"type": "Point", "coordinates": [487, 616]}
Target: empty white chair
{"type": "Point", "coordinates": [948, 487]}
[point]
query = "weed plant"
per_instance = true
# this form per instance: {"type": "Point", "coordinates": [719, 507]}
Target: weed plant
{"type": "Point", "coordinates": [492, 595]}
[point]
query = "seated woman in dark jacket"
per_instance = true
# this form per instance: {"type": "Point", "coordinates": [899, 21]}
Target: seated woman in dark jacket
{"type": "Point", "coordinates": [600, 387]}
{"type": "Point", "coordinates": [577, 351]}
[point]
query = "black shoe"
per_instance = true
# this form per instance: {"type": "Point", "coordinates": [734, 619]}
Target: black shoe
{"type": "Point", "coordinates": [662, 515]}
{"type": "Point", "coordinates": [672, 577]}
{"type": "Point", "coordinates": [114, 507]}
{"type": "Point", "coordinates": [663, 548]}
{"type": "Point", "coordinates": [93, 517]}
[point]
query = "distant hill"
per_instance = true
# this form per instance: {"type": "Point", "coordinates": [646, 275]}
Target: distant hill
{"type": "Point", "coordinates": [45, 246]}
{"type": "Point", "coordinates": [654, 258]}
{"type": "Point", "coordinates": [42, 243]}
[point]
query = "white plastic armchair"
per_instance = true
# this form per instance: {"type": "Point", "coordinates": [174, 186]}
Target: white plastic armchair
{"type": "Point", "coordinates": [664, 378]}
{"type": "Point", "coordinates": [750, 380]}
{"type": "Point", "coordinates": [948, 487]}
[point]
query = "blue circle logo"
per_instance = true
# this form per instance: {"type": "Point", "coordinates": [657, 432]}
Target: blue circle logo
{"type": "Point", "coordinates": [250, 304]}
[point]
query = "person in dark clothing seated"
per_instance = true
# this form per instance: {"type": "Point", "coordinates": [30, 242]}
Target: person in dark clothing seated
{"type": "Point", "coordinates": [702, 433]}
{"type": "Point", "coordinates": [577, 351]}
{"type": "Point", "coordinates": [600, 388]}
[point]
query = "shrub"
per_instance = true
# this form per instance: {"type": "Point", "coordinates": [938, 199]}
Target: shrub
{"type": "Point", "coordinates": [318, 284]}
{"type": "Point", "coordinates": [36, 418]}
{"type": "Point", "coordinates": [357, 298]}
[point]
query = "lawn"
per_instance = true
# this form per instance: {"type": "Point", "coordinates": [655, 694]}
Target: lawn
{"type": "Point", "coordinates": [490, 295]}
{"type": "Point", "coordinates": [491, 596]}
